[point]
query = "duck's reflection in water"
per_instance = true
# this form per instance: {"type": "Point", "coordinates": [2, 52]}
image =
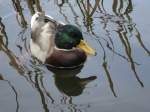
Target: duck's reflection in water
{"type": "Point", "coordinates": [68, 82]}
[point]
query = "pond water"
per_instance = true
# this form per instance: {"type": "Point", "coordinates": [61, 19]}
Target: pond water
{"type": "Point", "coordinates": [117, 79]}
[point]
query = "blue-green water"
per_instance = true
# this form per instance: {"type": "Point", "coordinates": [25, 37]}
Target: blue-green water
{"type": "Point", "coordinates": [115, 80]}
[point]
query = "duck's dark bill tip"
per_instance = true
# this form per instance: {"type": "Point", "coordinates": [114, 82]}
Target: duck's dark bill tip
{"type": "Point", "coordinates": [92, 78]}
{"type": "Point", "coordinates": [95, 54]}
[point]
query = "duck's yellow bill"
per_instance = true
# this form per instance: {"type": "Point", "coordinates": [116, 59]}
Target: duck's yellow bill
{"type": "Point", "coordinates": [85, 47]}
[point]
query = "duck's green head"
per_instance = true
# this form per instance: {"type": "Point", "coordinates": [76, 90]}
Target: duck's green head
{"type": "Point", "coordinates": [69, 36]}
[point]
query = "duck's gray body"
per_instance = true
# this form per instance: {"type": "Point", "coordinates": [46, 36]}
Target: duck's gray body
{"type": "Point", "coordinates": [42, 36]}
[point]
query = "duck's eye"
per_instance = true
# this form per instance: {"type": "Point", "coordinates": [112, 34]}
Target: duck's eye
{"type": "Point", "coordinates": [36, 18]}
{"type": "Point", "coordinates": [46, 20]}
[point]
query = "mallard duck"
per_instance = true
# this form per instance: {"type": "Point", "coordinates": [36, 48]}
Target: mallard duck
{"type": "Point", "coordinates": [57, 44]}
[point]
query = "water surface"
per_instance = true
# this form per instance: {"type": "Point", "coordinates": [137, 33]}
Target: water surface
{"type": "Point", "coordinates": [115, 80]}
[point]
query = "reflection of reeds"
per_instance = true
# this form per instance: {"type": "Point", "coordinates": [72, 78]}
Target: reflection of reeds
{"type": "Point", "coordinates": [19, 10]}
{"type": "Point", "coordinates": [111, 85]}
{"type": "Point", "coordinates": [121, 7]}
{"type": "Point", "coordinates": [16, 95]}
{"type": "Point", "coordinates": [105, 67]}
{"type": "Point", "coordinates": [123, 37]}
{"type": "Point", "coordinates": [131, 26]}
{"type": "Point", "coordinates": [3, 46]}
{"type": "Point", "coordinates": [35, 78]}
{"type": "Point", "coordinates": [118, 6]}
{"type": "Point", "coordinates": [34, 5]}
{"type": "Point", "coordinates": [30, 6]}
{"type": "Point", "coordinates": [38, 80]}
{"type": "Point", "coordinates": [129, 7]}
{"type": "Point", "coordinates": [68, 100]}
{"type": "Point", "coordinates": [14, 90]}
{"type": "Point", "coordinates": [71, 107]}
{"type": "Point", "coordinates": [37, 4]}
{"type": "Point", "coordinates": [13, 59]}
{"type": "Point", "coordinates": [62, 13]}
{"type": "Point", "coordinates": [88, 11]}
{"type": "Point", "coordinates": [138, 36]}
{"type": "Point", "coordinates": [75, 14]}
{"type": "Point", "coordinates": [3, 34]}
